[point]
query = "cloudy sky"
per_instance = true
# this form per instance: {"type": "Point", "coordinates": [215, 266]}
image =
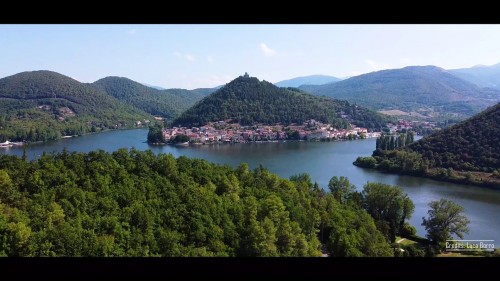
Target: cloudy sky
{"type": "Point", "coordinates": [194, 56]}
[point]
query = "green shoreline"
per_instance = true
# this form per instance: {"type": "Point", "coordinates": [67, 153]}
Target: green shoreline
{"type": "Point", "coordinates": [491, 184]}
{"type": "Point", "coordinates": [86, 134]}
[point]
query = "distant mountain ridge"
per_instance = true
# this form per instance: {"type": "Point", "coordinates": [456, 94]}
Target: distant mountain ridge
{"type": "Point", "coordinates": [42, 105]}
{"type": "Point", "coordinates": [425, 89]}
{"type": "Point", "coordinates": [481, 75]}
{"type": "Point", "coordinates": [248, 101]}
{"type": "Point", "coordinates": [307, 80]}
{"type": "Point", "coordinates": [153, 86]}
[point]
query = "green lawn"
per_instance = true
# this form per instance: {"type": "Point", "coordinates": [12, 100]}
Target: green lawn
{"type": "Point", "coordinates": [405, 241]}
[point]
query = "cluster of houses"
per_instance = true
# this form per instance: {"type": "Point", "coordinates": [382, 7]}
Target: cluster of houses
{"type": "Point", "coordinates": [409, 125]}
{"type": "Point", "coordinates": [142, 123]}
{"type": "Point", "coordinates": [223, 132]}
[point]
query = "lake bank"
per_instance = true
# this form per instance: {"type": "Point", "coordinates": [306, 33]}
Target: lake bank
{"type": "Point", "coordinates": [480, 179]}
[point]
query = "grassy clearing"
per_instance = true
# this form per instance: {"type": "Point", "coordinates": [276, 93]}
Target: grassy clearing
{"type": "Point", "coordinates": [408, 242]}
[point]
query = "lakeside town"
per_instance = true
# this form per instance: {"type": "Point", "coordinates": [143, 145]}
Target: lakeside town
{"type": "Point", "coordinates": [311, 130]}
{"type": "Point", "coordinates": [223, 132]}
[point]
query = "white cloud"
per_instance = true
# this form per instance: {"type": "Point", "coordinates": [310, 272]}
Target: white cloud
{"type": "Point", "coordinates": [132, 31]}
{"type": "Point", "coordinates": [266, 50]}
{"type": "Point", "coordinates": [210, 59]}
{"type": "Point", "coordinates": [188, 57]}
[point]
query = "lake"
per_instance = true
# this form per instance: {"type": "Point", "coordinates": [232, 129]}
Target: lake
{"type": "Point", "coordinates": [321, 160]}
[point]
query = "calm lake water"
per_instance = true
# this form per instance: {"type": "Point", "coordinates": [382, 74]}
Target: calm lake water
{"type": "Point", "coordinates": [320, 160]}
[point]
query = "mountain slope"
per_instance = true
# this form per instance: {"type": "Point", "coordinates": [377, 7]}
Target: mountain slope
{"type": "Point", "coordinates": [247, 100]}
{"type": "Point", "coordinates": [481, 75]}
{"type": "Point", "coordinates": [307, 80]}
{"type": "Point", "coordinates": [464, 153]}
{"type": "Point", "coordinates": [472, 145]}
{"type": "Point", "coordinates": [166, 103]}
{"type": "Point", "coordinates": [41, 105]}
{"type": "Point", "coordinates": [425, 89]}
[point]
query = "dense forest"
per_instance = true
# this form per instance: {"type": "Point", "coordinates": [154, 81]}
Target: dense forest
{"type": "Point", "coordinates": [468, 152]}
{"type": "Point", "coordinates": [165, 103]}
{"type": "Point", "coordinates": [429, 90]}
{"type": "Point", "coordinates": [248, 101]}
{"type": "Point", "coordinates": [133, 203]}
{"type": "Point", "coordinates": [472, 145]}
{"type": "Point", "coordinates": [44, 105]}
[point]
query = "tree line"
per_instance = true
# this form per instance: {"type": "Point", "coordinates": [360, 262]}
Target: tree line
{"type": "Point", "coordinates": [391, 142]}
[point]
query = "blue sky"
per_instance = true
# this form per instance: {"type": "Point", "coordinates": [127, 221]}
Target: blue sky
{"type": "Point", "coordinates": [193, 56]}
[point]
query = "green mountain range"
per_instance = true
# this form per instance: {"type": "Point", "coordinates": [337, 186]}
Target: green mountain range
{"type": "Point", "coordinates": [428, 90]}
{"type": "Point", "coordinates": [44, 105]}
{"type": "Point", "coordinates": [168, 103]}
{"type": "Point", "coordinates": [248, 101]}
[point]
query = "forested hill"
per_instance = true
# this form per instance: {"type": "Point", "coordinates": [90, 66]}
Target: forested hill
{"type": "Point", "coordinates": [166, 103]}
{"type": "Point", "coordinates": [135, 203]}
{"type": "Point", "coordinates": [466, 153]}
{"type": "Point", "coordinates": [248, 101]}
{"type": "Point", "coordinates": [472, 145]}
{"type": "Point", "coordinates": [42, 105]}
{"type": "Point", "coordinates": [427, 90]}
